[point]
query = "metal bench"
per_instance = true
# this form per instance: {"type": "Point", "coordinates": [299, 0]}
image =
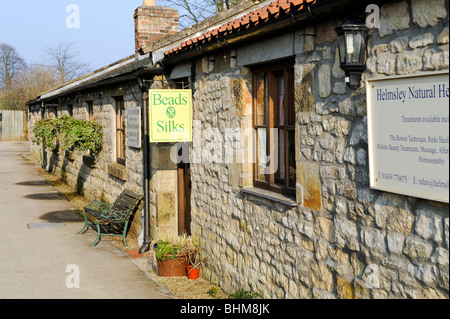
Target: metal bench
{"type": "Point", "coordinates": [111, 219]}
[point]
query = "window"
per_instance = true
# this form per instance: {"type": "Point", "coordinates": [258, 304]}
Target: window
{"type": "Point", "coordinates": [182, 84]}
{"type": "Point", "coordinates": [274, 122]}
{"type": "Point", "coordinates": [120, 130]}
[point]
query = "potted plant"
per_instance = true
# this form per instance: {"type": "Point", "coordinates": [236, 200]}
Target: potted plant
{"type": "Point", "coordinates": [92, 141]}
{"type": "Point", "coordinates": [172, 255]}
{"type": "Point", "coordinates": [70, 154]}
{"type": "Point", "coordinates": [195, 261]}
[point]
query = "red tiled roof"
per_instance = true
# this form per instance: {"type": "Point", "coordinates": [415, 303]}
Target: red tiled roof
{"type": "Point", "coordinates": [268, 13]}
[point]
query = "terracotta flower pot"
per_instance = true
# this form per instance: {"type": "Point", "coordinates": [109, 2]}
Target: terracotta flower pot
{"type": "Point", "coordinates": [193, 272]}
{"type": "Point", "coordinates": [172, 267]}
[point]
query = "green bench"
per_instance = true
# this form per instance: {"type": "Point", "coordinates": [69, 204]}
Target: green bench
{"type": "Point", "coordinates": [111, 219]}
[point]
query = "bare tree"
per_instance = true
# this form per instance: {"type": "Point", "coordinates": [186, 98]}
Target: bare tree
{"type": "Point", "coordinates": [10, 64]}
{"type": "Point", "coordinates": [64, 59]}
{"type": "Point", "coordinates": [37, 79]}
{"type": "Point", "coordinates": [191, 12]}
{"type": "Point", "coordinates": [223, 5]}
{"type": "Point", "coordinates": [27, 85]}
{"type": "Point", "coordinates": [195, 11]}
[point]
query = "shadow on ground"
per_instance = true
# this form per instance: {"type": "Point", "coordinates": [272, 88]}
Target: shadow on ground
{"type": "Point", "coordinates": [65, 216]}
{"type": "Point", "coordinates": [46, 196]}
{"type": "Point", "coordinates": [34, 183]}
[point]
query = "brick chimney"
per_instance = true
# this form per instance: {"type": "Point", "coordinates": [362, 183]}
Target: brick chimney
{"type": "Point", "coordinates": [152, 23]}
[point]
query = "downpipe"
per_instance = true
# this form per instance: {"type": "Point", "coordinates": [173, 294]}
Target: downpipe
{"type": "Point", "coordinates": [146, 163]}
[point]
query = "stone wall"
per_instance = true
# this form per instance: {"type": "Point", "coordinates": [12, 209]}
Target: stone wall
{"type": "Point", "coordinates": [351, 242]}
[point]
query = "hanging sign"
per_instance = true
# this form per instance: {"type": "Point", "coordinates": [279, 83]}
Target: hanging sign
{"type": "Point", "coordinates": [170, 115]}
{"type": "Point", "coordinates": [408, 130]}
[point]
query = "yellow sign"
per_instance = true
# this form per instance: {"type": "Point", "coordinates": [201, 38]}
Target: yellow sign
{"type": "Point", "coordinates": [170, 114]}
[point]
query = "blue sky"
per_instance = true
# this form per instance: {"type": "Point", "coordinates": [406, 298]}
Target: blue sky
{"type": "Point", "coordinates": [105, 35]}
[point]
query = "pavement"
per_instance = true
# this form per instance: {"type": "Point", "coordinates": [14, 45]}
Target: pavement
{"type": "Point", "coordinates": [41, 255]}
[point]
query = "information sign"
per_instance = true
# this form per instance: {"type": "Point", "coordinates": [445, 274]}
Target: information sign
{"type": "Point", "coordinates": [408, 130]}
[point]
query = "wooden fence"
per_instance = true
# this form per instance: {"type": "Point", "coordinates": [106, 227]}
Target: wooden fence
{"type": "Point", "coordinates": [13, 126]}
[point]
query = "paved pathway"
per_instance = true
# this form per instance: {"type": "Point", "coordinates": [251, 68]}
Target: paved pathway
{"type": "Point", "coordinates": [38, 243]}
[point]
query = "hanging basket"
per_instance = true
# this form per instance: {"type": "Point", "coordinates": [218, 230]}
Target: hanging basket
{"type": "Point", "coordinates": [90, 160]}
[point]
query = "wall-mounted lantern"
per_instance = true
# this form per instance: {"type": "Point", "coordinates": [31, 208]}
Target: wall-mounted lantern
{"type": "Point", "coordinates": [352, 36]}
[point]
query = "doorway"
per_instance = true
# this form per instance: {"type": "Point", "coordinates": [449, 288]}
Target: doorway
{"type": "Point", "coordinates": [184, 199]}
{"type": "Point", "coordinates": [184, 175]}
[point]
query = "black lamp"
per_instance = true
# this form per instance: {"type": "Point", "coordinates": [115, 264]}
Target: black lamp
{"type": "Point", "coordinates": [352, 50]}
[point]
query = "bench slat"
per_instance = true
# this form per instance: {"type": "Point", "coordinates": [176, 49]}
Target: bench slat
{"type": "Point", "coordinates": [123, 205]}
{"type": "Point", "coordinates": [126, 200]}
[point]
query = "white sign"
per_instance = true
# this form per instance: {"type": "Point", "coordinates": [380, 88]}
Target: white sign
{"type": "Point", "coordinates": [134, 127]}
{"type": "Point", "coordinates": [408, 126]}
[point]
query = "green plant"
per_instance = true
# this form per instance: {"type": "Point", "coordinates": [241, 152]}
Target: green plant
{"type": "Point", "coordinates": [244, 294]}
{"type": "Point", "coordinates": [68, 134]}
{"type": "Point", "coordinates": [45, 131]}
{"type": "Point", "coordinates": [165, 250]}
{"type": "Point", "coordinates": [171, 248]}
{"type": "Point", "coordinates": [82, 135]}
{"type": "Point", "coordinates": [213, 291]}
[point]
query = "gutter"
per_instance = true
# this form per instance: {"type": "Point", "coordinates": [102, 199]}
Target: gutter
{"type": "Point", "coordinates": [103, 82]}
{"type": "Point", "coordinates": [77, 82]}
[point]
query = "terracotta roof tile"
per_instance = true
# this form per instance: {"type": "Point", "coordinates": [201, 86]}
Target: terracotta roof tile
{"type": "Point", "coordinates": [271, 11]}
{"type": "Point", "coordinates": [222, 29]}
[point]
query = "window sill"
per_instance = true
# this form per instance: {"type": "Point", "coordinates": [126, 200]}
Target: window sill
{"type": "Point", "coordinates": [118, 171]}
{"type": "Point", "coordinates": [279, 198]}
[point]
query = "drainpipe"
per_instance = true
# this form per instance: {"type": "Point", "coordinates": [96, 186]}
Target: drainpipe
{"type": "Point", "coordinates": [146, 149]}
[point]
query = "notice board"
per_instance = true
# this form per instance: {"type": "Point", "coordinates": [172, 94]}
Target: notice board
{"type": "Point", "coordinates": [408, 132]}
{"type": "Point", "coordinates": [134, 127]}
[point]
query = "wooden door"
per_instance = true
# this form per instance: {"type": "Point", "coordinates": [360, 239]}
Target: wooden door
{"type": "Point", "coordinates": [184, 199]}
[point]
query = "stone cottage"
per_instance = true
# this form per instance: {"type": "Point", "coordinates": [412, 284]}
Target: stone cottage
{"type": "Point", "coordinates": [276, 183]}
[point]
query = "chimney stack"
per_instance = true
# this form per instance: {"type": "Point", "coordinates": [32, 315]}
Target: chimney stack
{"type": "Point", "coordinates": [152, 23]}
